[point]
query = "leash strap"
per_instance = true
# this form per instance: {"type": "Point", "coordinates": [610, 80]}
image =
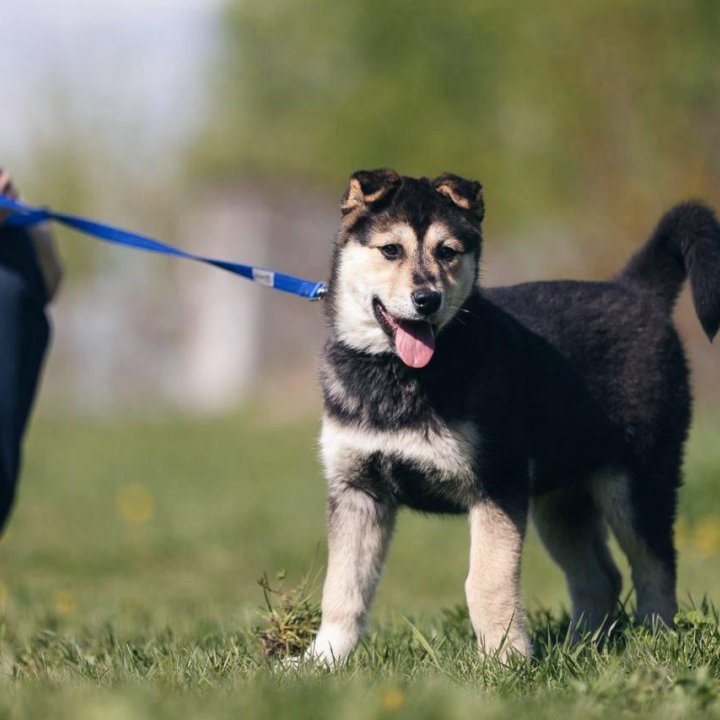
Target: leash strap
{"type": "Point", "coordinates": [26, 215]}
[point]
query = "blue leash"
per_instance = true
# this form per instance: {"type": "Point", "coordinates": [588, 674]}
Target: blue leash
{"type": "Point", "coordinates": [25, 215]}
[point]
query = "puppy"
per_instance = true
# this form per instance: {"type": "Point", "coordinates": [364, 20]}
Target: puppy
{"type": "Point", "coordinates": [566, 399]}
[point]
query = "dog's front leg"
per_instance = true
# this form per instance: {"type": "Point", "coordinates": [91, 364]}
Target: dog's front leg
{"type": "Point", "coordinates": [360, 527]}
{"type": "Point", "coordinates": [493, 582]}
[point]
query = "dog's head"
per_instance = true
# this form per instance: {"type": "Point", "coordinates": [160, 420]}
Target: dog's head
{"type": "Point", "coordinates": [406, 260]}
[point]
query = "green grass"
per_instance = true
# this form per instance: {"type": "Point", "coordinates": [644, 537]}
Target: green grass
{"type": "Point", "coordinates": [129, 588]}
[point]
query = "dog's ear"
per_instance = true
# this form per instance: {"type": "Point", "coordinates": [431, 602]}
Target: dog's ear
{"type": "Point", "coordinates": [466, 194]}
{"type": "Point", "coordinates": [367, 187]}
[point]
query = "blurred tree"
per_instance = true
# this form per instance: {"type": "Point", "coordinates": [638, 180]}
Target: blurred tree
{"type": "Point", "coordinates": [611, 107]}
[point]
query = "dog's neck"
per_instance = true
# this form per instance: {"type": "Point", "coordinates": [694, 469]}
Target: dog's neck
{"type": "Point", "coordinates": [359, 385]}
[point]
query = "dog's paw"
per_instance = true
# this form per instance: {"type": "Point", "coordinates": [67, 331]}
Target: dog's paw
{"type": "Point", "coordinates": [328, 651]}
{"type": "Point", "coordinates": [507, 646]}
{"type": "Point", "coordinates": [310, 661]}
{"type": "Point", "coordinates": [294, 663]}
{"type": "Point", "coordinates": [331, 647]}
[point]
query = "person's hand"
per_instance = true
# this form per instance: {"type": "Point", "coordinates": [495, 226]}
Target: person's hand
{"type": "Point", "coordinates": [6, 188]}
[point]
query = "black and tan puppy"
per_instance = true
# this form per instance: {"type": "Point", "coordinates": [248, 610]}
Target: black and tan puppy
{"type": "Point", "coordinates": [568, 399]}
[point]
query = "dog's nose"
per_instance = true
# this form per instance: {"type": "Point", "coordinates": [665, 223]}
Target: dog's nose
{"type": "Point", "coordinates": [426, 302]}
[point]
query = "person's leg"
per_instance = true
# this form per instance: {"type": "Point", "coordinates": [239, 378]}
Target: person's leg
{"type": "Point", "coordinates": [24, 334]}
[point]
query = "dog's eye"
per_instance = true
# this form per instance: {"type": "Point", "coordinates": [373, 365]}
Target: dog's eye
{"type": "Point", "coordinates": [445, 252]}
{"type": "Point", "coordinates": [391, 251]}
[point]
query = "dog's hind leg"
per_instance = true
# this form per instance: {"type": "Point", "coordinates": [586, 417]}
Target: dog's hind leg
{"type": "Point", "coordinates": [493, 582]}
{"type": "Point", "coordinates": [640, 512]}
{"type": "Point", "coordinates": [360, 527]}
{"type": "Point", "coordinates": [572, 529]}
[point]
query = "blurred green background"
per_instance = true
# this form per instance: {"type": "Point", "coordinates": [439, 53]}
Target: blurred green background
{"type": "Point", "coordinates": [585, 111]}
{"type": "Point", "coordinates": [172, 460]}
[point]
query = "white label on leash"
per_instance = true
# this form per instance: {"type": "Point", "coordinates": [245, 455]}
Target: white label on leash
{"type": "Point", "coordinates": [264, 277]}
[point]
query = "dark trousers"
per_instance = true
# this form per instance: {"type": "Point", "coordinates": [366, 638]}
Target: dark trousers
{"type": "Point", "coordinates": [24, 334]}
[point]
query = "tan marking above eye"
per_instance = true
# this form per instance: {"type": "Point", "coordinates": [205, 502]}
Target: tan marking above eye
{"type": "Point", "coordinates": [438, 234]}
{"type": "Point", "coordinates": [398, 234]}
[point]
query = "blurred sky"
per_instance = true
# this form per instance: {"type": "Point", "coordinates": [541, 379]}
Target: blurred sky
{"type": "Point", "coordinates": [124, 64]}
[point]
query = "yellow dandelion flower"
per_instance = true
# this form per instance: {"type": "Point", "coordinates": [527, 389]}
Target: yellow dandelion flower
{"type": "Point", "coordinates": [64, 602]}
{"type": "Point", "coordinates": [135, 504]}
{"type": "Point", "coordinates": [392, 700]}
{"type": "Point", "coordinates": [706, 536]}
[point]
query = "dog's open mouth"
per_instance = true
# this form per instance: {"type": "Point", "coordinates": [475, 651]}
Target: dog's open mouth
{"type": "Point", "coordinates": [414, 340]}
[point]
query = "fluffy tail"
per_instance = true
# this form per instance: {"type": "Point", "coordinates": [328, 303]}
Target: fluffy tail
{"type": "Point", "coordinates": [686, 243]}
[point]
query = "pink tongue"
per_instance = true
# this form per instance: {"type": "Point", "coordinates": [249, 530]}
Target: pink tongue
{"type": "Point", "coordinates": [414, 342]}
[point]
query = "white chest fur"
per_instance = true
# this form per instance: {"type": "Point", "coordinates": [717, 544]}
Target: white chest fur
{"type": "Point", "coordinates": [447, 451]}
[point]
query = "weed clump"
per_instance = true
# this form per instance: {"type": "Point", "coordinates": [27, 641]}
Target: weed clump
{"type": "Point", "coordinates": [290, 618]}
